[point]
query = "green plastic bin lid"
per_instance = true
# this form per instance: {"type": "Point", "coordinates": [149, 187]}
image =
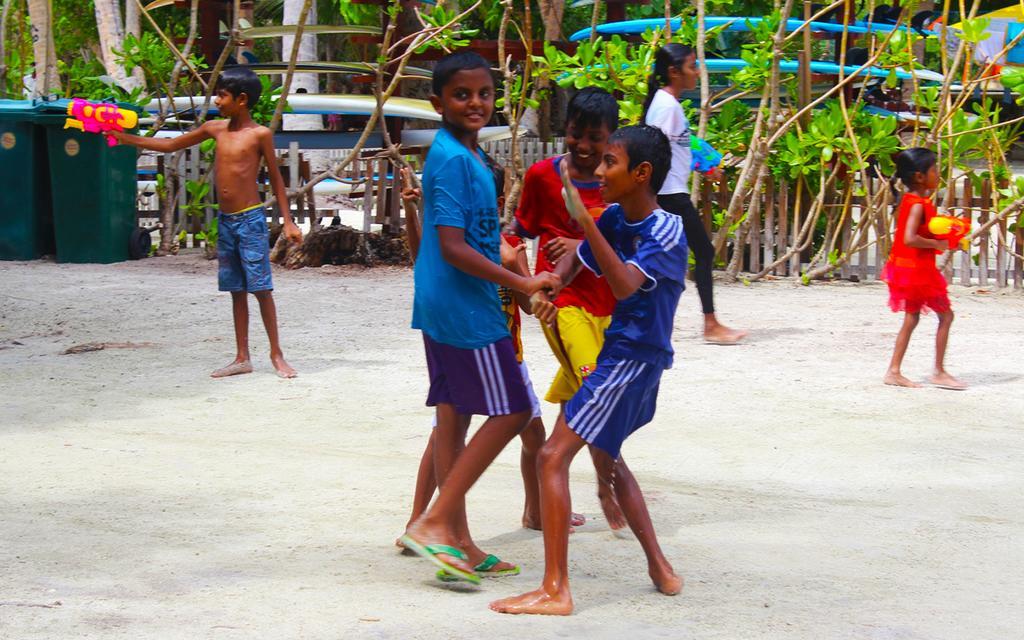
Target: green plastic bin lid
{"type": "Point", "coordinates": [33, 110]}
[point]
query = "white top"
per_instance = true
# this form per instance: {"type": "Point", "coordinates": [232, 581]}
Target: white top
{"type": "Point", "coordinates": [667, 114]}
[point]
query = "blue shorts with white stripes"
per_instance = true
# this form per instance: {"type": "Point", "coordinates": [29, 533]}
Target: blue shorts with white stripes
{"type": "Point", "coordinates": [483, 382]}
{"type": "Point", "coordinates": [618, 398]}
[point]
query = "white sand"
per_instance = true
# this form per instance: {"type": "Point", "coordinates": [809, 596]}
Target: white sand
{"type": "Point", "coordinates": [798, 496]}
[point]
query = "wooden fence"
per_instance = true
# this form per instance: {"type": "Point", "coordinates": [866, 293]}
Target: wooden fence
{"type": "Point", "coordinates": [372, 188]}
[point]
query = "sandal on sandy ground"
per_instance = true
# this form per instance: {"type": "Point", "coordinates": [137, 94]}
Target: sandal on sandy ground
{"type": "Point", "coordinates": [431, 551]}
{"type": "Point", "coordinates": [484, 570]}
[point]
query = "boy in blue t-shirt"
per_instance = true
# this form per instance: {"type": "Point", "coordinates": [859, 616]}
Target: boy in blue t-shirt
{"type": "Point", "coordinates": [641, 251]}
{"type": "Point", "coordinates": [470, 356]}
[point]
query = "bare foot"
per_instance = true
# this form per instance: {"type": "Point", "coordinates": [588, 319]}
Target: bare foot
{"type": "Point", "coordinates": [532, 521]}
{"type": "Point", "coordinates": [610, 507]}
{"type": "Point", "coordinates": [943, 380]}
{"type": "Point", "coordinates": [235, 368]}
{"type": "Point", "coordinates": [284, 370]}
{"type": "Point", "coordinates": [665, 580]}
{"type": "Point", "coordinates": [897, 380]}
{"type": "Point", "coordinates": [721, 334]}
{"type": "Point", "coordinates": [538, 602]}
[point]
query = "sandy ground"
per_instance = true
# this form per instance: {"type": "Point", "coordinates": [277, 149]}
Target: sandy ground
{"type": "Point", "coordinates": [799, 497]}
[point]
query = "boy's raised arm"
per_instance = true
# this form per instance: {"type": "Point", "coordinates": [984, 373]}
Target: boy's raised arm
{"type": "Point", "coordinates": [624, 279]}
{"type": "Point", "coordinates": [411, 196]}
{"type": "Point", "coordinates": [291, 232]}
{"type": "Point", "coordinates": [166, 145]}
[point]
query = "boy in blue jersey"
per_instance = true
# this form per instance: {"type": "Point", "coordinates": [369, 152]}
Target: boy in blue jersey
{"type": "Point", "coordinates": [640, 250]}
{"type": "Point", "coordinates": [470, 355]}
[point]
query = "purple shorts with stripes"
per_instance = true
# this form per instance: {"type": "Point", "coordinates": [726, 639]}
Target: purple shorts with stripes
{"type": "Point", "coordinates": [618, 398]}
{"type": "Point", "coordinates": [485, 381]}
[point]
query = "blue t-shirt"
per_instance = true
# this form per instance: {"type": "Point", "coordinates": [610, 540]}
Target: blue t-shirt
{"type": "Point", "coordinates": [451, 306]}
{"type": "Point", "coordinates": [641, 326]}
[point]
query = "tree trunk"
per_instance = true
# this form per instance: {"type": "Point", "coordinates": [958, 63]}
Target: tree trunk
{"type": "Point", "coordinates": [133, 26]}
{"type": "Point", "coordinates": [551, 12]}
{"type": "Point", "coordinates": [303, 82]}
{"type": "Point", "coordinates": [46, 79]}
{"type": "Point", "coordinates": [111, 32]}
{"type": "Point", "coordinates": [3, 48]}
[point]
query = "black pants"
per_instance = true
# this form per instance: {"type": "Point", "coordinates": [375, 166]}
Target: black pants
{"type": "Point", "coordinates": [698, 241]}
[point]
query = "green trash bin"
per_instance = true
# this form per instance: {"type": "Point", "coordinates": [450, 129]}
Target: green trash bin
{"type": "Point", "coordinates": [94, 190]}
{"type": "Point", "coordinates": [26, 217]}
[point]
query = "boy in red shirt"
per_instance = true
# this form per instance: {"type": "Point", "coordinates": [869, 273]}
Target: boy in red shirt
{"type": "Point", "coordinates": [585, 306]}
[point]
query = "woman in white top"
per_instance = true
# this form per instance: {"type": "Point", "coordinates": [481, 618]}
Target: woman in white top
{"type": "Point", "coordinates": [675, 71]}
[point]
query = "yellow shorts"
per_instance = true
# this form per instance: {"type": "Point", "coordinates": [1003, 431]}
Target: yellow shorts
{"type": "Point", "coordinates": [576, 341]}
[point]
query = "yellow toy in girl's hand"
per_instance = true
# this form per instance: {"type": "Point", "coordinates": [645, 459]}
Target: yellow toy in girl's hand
{"type": "Point", "coordinates": [573, 203]}
{"type": "Point", "coordinates": [951, 229]}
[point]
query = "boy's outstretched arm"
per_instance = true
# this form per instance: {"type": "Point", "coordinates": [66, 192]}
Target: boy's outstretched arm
{"type": "Point", "coordinates": [460, 255]}
{"type": "Point", "coordinates": [290, 230]}
{"type": "Point", "coordinates": [165, 145]}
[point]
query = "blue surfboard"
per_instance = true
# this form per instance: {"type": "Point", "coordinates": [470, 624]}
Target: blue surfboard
{"type": "Point", "coordinates": [734, 23]}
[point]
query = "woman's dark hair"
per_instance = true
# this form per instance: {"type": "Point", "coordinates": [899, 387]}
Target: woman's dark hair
{"type": "Point", "coordinates": [644, 143]}
{"type": "Point", "coordinates": [911, 161]}
{"type": "Point", "coordinates": [669, 56]}
{"type": "Point", "coordinates": [453, 63]}
{"type": "Point", "coordinates": [592, 107]}
{"type": "Point", "coordinates": [239, 80]}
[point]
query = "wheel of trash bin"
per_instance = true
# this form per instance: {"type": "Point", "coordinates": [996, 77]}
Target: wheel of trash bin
{"type": "Point", "coordinates": [139, 244]}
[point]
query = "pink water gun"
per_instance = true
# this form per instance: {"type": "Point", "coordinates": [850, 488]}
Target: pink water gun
{"type": "Point", "coordinates": [102, 118]}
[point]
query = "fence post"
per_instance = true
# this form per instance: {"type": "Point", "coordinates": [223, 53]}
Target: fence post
{"type": "Point", "coordinates": [965, 256]}
{"type": "Point", "coordinates": [846, 269]}
{"type": "Point", "coordinates": [1001, 254]}
{"type": "Point", "coordinates": [293, 179]}
{"type": "Point", "coordinates": [367, 170]}
{"type": "Point", "coordinates": [986, 199]}
{"type": "Point", "coordinates": [862, 255]}
{"type": "Point", "coordinates": [1018, 263]}
{"type": "Point", "coordinates": [768, 240]}
{"type": "Point", "coordinates": [782, 235]}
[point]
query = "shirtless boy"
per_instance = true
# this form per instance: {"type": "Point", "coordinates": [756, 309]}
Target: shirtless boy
{"type": "Point", "coordinates": [243, 247]}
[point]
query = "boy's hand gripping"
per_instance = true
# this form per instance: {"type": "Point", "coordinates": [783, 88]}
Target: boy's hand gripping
{"type": "Point", "coordinates": [543, 309]}
{"type": "Point", "coordinates": [509, 254]}
{"type": "Point", "coordinates": [411, 194]}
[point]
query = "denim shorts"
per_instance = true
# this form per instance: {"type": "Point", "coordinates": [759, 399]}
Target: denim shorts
{"type": "Point", "coordinates": [243, 251]}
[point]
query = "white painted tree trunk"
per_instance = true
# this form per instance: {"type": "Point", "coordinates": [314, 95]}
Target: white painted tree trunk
{"type": "Point", "coordinates": [132, 18]}
{"type": "Point", "coordinates": [111, 32]}
{"type": "Point", "coordinates": [301, 82]}
{"type": "Point", "coordinates": [43, 50]}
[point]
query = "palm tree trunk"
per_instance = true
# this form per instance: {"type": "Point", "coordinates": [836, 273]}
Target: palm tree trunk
{"type": "Point", "coordinates": [111, 31]}
{"type": "Point", "coordinates": [3, 48]}
{"type": "Point", "coordinates": [43, 50]}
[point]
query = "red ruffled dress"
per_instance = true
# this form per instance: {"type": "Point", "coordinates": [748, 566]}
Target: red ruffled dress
{"type": "Point", "coordinates": [915, 283]}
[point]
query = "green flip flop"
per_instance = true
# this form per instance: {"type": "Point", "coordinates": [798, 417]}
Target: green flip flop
{"type": "Point", "coordinates": [483, 570]}
{"type": "Point", "coordinates": [431, 551]}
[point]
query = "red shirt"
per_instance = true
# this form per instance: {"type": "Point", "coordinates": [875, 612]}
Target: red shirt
{"type": "Point", "coordinates": [902, 255]}
{"type": "Point", "coordinates": [542, 214]}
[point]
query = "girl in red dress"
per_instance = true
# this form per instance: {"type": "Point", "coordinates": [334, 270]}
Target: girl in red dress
{"type": "Point", "coordinates": [915, 283]}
